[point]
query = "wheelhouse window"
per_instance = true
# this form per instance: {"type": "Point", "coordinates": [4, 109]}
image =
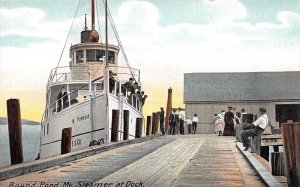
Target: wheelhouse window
{"type": "Point", "coordinates": [79, 56]}
{"type": "Point", "coordinates": [94, 55]}
{"type": "Point", "coordinates": [111, 57]}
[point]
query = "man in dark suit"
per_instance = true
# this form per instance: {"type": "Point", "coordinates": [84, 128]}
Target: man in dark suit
{"type": "Point", "coordinates": [172, 122]}
{"type": "Point", "coordinates": [62, 99]}
{"type": "Point", "coordinates": [162, 120]}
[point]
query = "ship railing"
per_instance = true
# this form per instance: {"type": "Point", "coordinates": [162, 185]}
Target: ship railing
{"type": "Point", "coordinates": [124, 73]}
{"type": "Point", "coordinates": [69, 73]}
{"type": "Point", "coordinates": [81, 72]}
{"type": "Point", "coordinates": [60, 74]}
{"type": "Point", "coordinates": [116, 88]}
{"type": "Point", "coordinates": [74, 97]}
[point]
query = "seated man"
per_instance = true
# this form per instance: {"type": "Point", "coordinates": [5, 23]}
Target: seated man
{"type": "Point", "coordinates": [256, 128]}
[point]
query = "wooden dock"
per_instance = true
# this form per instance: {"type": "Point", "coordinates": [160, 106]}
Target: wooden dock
{"type": "Point", "coordinates": [189, 160]}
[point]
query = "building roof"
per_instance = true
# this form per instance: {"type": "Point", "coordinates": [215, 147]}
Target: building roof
{"type": "Point", "coordinates": [250, 86]}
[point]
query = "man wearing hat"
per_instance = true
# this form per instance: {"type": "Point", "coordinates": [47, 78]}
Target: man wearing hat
{"type": "Point", "coordinates": [257, 129]}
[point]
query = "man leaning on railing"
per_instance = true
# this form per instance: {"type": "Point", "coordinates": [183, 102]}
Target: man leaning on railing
{"type": "Point", "coordinates": [62, 100]}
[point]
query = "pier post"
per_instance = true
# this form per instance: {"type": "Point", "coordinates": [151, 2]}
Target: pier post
{"type": "Point", "coordinates": [139, 127]}
{"type": "Point", "coordinates": [153, 123]}
{"type": "Point", "coordinates": [168, 110]}
{"type": "Point", "coordinates": [157, 122]}
{"type": "Point", "coordinates": [277, 162]}
{"type": "Point", "coordinates": [66, 140]}
{"type": "Point", "coordinates": [291, 144]}
{"type": "Point", "coordinates": [148, 125]}
{"type": "Point", "coordinates": [115, 126]}
{"type": "Point", "coordinates": [15, 131]}
{"type": "Point", "coordinates": [126, 125]}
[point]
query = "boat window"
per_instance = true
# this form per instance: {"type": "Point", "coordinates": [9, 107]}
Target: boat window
{"type": "Point", "coordinates": [79, 56]}
{"type": "Point", "coordinates": [47, 128]}
{"type": "Point", "coordinates": [73, 96]}
{"type": "Point", "coordinates": [111, 57]}
{"type": "Point", "coordinates": [91, 55]}
{"type": "Point", "coordinates": [94, 55]}
{"type": "Point", "coordinates": [99, 55]}
{"type": "Point", "coordinates": [98, 86]}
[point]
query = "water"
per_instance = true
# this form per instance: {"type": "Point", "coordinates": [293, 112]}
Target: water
{"type": "Point", "coordinates": [31, 143]}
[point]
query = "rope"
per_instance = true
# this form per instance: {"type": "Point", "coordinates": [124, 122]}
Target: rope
{"type": "Point", "coordinates": [67, 37]}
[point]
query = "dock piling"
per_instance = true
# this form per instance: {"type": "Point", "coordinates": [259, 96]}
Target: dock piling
{"type": "Point", "coordinates": [126, 125]}
{"type": "Point", "coordinates": [115, 125]}
{"type": "Point", "coordinates": [15, 131]}
{"type": "Point", "coordinates": [168, 110]}
{"type": "Point", "coordinates": [139, 127]}
{"type": "Point", "coordinates": [148, 125]}
{"type": "Point", "coordinates": [153, 123]}
{"type": "Point", "coordinates": [291, 144]}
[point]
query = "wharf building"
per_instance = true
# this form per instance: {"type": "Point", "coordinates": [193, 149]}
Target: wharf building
{"type": "Point", "coordinates": [206, 94]}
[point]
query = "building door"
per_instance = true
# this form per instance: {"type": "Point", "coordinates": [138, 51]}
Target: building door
{"type": "Point", "coordinates": [285, 112]}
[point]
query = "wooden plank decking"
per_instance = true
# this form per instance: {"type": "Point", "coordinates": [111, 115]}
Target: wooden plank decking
{"type": "Point", "coordinates": [190, 160]}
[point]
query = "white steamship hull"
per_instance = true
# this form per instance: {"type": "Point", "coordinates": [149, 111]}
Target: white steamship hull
{"type": "Point", "coordinates": [88, 122]}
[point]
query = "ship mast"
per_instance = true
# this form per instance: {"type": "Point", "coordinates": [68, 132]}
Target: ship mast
{"type": "Point", "coordinates": [93, 14]}
{"type": "Point", "coordinates": [94, 36]}
{"type": "Point", "coordinates": [106, 73]}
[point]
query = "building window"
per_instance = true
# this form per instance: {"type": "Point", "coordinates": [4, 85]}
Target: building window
{"type": "Point", "coordinates": [79, 56]}
{"type": "Point", "coordinates": [44, 130]}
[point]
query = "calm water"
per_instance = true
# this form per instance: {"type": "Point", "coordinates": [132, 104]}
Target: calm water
{"type": "Point", "coordinates": [31, 144]}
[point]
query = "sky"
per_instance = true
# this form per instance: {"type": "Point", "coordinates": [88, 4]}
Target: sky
{"type": "Point", "coordinates": [164, 39]}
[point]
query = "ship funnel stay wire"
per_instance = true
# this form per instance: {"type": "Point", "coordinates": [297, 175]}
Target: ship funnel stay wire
{"type": "Point", "coordinates": [67, 37]}
{"type": "Point", "coordinates": [119, 40]}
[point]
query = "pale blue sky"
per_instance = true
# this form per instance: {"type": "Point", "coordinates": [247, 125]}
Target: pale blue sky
{"type": "Point", "coordinates": [187, 35]}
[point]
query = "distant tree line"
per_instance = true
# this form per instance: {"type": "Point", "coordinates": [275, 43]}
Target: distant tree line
{"type": "Point", "coordinates": [3, 121]}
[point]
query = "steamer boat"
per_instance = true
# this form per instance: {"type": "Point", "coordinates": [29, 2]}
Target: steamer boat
{"type": "Point", "coordinates": [87, 102]}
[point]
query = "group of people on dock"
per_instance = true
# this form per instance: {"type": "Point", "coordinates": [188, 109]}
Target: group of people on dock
{"type": "Point", "coordinates": [177, 122]}
{"type": "Point", "coordinates": [225, 122]}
